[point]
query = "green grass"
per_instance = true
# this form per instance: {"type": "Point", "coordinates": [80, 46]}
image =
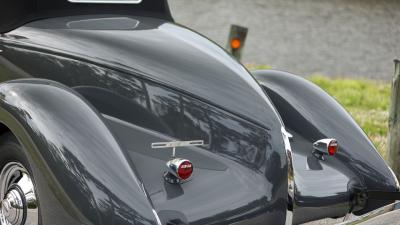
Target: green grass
{"type": "Point", "coordinates": [367, 101]}
{"type": "Point", "coordinates": [251, 67]}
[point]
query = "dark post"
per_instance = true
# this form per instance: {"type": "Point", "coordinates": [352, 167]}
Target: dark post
{"type": "Point", "coordinates": [237, 38]}
{"type": "Point", "coordinates": [394, 123]}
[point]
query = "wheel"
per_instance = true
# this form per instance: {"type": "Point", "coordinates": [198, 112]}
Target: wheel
{"type": "Point", "coordinates": [19, 205]}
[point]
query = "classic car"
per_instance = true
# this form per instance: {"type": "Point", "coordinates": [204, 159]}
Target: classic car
{"type": "Point", "coordinates": [111, 113]}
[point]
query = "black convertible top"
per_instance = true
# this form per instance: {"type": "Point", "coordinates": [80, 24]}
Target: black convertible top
{"type": "Point", "coordinates": [14, 13]}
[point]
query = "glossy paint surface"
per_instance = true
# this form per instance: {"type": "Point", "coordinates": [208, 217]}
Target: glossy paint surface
{"type": "Point", "coordinates": [14, 14]}
{"type": "Point", "coordinates": [131, 81]}
{"type": "Point", "coordinates": [74, 153]}
{"type": "Point", "coordinates": [310, 115]}
{"type": "Point", "coordinates": [157, 50]}
{"type": "Point", "coordinates": [156, 82]}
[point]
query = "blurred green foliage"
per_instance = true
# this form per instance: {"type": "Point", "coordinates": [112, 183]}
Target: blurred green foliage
{"type": "Point", "coordinates": [251, 67]}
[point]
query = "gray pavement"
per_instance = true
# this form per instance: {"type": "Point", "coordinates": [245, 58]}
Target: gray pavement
{"type": "Point", "coordinates": [327, 221]}
{"type": "Point", "coordinates": [391, 218]}
{"type": "Point", "coordinates": [358, 38]}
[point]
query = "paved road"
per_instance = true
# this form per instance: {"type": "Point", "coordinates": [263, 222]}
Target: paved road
{"type": "Point", "coordinates": [391, 218]}
{"type": "Point", "coordinates": [331, 37]}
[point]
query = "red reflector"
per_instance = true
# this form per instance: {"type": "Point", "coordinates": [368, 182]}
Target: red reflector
{"type": "Point", "coordinates": [185, 170]}
{"type": "Point", "coordinates": [333, 147]}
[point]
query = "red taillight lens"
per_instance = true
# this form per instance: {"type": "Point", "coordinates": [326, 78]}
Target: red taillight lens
{"type": "Point", "coordinates": [333, 147]}
{"type": "Point", "coordinates": [185, 170]}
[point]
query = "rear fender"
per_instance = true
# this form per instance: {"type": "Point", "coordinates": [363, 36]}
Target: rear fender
{"type": "Point", "coordinates": [310, 114]}
{"type": "Point", "coordinates": [81, 174]}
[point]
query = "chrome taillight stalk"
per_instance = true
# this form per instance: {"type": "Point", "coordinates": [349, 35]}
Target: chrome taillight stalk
{"type": "Point", "coordinates": [327, 146]}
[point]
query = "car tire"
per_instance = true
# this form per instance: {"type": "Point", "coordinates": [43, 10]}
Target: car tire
{"type": "Point", "coordinates": [19, 203]}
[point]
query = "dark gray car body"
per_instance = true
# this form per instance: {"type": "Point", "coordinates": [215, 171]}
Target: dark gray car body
{"type": "Point", "coordinates": [87, 95]}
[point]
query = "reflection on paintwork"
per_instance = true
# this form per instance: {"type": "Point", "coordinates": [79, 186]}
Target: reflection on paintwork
{"type": "Point", "coordinates": [147, 92]}
{"type": "Point", "coordinates": [309, 183]}
{"type": "Point", "coordinates": [180, 116]}
{"type": "Point", "coordinates": [243, 144]}
{"type": "Point", "coordinates": [243, 147]}
{"type": "Point", "coordinates": [165, 52]}
{"type": "Point", "coordinates": [310, 114]}
{"type": "Point", "coordinates": [223, 133]}
{"type": "Point", "coordinates": [162, 82]}
{"type": "Point", "coordinates": [328, 120]}
{"type": "Point", "coordinates": [55, 131]}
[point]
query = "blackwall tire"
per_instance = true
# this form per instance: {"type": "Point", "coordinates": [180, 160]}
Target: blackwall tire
{"type": "Point", "coordinates": [19, 203]}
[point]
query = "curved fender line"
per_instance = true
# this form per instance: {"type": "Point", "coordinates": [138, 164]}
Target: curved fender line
{"type": "Point", "coordinates": [291, 204]}
{"type": "Point", "coordinates": [306, 107]}
{"type": "Point", "coordinates": [74, 156]}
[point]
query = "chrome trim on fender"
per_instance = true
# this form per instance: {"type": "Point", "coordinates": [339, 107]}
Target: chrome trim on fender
{"type": "Point", "coordinates": [157, 217]}
{"type": "Point", "coordinates": [395, 179]}
{"type": "Point", "coordinates": [351, 220]}
{"type": "Point", "coordinates": [77, 23]}
{"type": "Point", "coordinates": [291, 184]}
{"type": "Point", "coordinates": [176, 144]}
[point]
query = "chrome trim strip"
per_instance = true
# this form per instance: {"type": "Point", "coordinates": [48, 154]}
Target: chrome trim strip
{"type": "Point", "coordinates": [157, 217]}
{"type": "Point", "coordinates": [107, 1]}
{"type": "Point", "coordinates": [395, 179]}
{"type": "Point", "coordinates": [291, 184]}
{"type": "Point", "coordinates": [176, 144]}
{"type": "Point", "coordinates": [135, 23]}
{"type": "Point", "coordinates": [351, 220]}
